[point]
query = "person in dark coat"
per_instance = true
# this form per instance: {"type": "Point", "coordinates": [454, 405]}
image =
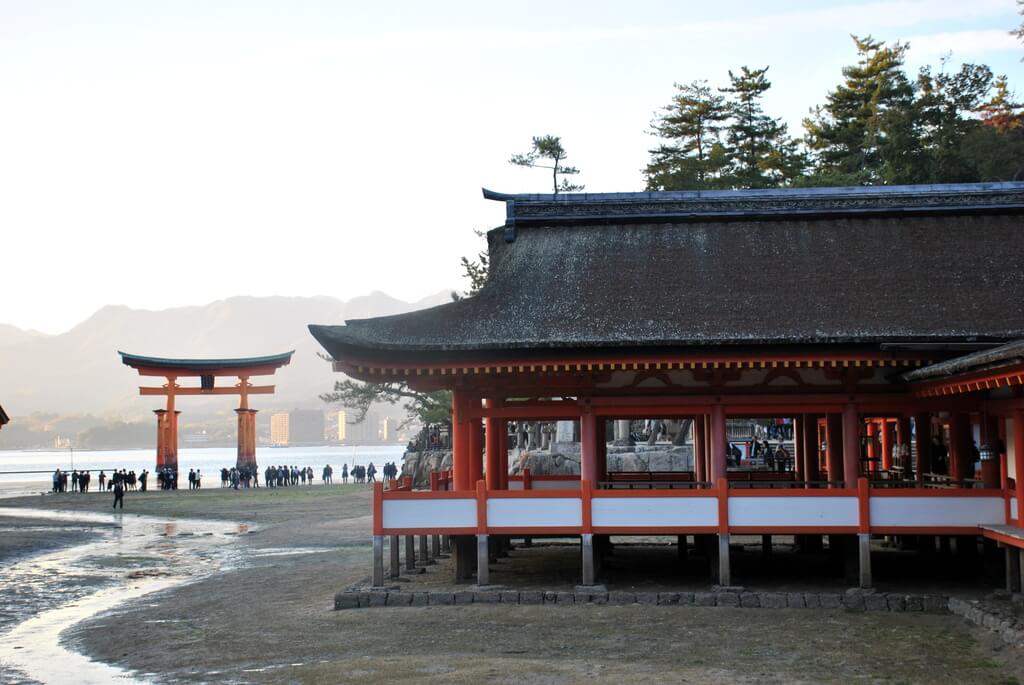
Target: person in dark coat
{"type": "Point", "coordinates": [118, 493]}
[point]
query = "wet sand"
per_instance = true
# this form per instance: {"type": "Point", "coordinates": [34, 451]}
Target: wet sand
{"type": "Point", "coordinates": [270, 620]}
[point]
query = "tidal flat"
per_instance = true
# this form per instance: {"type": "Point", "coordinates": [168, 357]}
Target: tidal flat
{"type": "Point", "coordinates": [252, 602]}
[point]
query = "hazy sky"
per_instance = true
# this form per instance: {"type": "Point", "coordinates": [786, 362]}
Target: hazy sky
{"type": "Point", "coordinates": [158, 154]}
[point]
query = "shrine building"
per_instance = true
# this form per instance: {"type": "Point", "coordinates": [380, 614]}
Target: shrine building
{"type": "Point", "coordinates": [881, 321]}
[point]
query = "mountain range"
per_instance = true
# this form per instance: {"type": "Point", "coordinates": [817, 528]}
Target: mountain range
{"type": "Point", "coordinates": [80, 372]}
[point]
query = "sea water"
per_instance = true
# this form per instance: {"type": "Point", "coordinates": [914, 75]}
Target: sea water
{"type": "Point", "coordinates": [209, 460]}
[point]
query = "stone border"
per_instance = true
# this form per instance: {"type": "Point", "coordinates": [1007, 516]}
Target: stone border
{"type": "Point", "coordinates": [853, 600]}
{"type": "Point", "coordinates": [1006, 624]}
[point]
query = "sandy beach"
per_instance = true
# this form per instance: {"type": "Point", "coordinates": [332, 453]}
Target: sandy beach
{"type": "Point", "coordinates": [266, 616]}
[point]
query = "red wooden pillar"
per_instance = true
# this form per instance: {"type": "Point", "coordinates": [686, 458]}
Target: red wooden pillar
{"type": "Point", "coordinates": [872, 429]}
{"type": "Point", "coordinates": [700, 450]}
{"type": "Point", "coordinates": [588, 447]}
{"type": "Point", "coordinates": [503, 452]}
{"type": "Point", "coordinates": [460, 442]}
{"type": "Point", "coordinates": [886, 445]}
{"type": "Point", "coordinates": [1018, 462]}
{"type": "Point", "coordinates": [903, 435]}
{"type": "Point", "coordinates": [809, 447]}
{"type": "Point", "coordinates": [161, 436]}
{"type": "Point", "coordinates": [246, 453]}
{"type": "Point", "coordinates": [851, 445]}
{"type": "Point", "coordinates": [961, 461]}
{"type": "Point", "coordinates": [834, 446]}
{"type": "Point", "coordinates": [718, 443]}
{"type": "Point", "coordinates": [171, 441]}
{"type": "Point", "coordinates": [492, 470]}
{"type": "Point", "coordinates": [476, 447]}
{"type": "Point", "coordinates": [799, 427]}
{"type": "Point", "coordinates": [923, 444]}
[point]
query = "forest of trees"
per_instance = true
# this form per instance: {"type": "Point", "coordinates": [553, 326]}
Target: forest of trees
{"type": "Point", "coordinates": [880, 126]}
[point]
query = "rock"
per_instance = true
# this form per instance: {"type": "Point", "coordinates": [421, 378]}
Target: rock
{"type": "Point", "coordinates": [419, 599]}
{"type": "Point", "coordinates": [685, 599]}
{"type": "Point", "coordinates": [773, 600]}
{"type": "Point", "coordinates": [509, 597]}
{"type": "Point", "coordinates": [378, 599]}
{"type": "Point", "coordinates": [876, 602]}
{"type": "Point", "coordinates": [830, 600]}
{"type": "Point", "coordinates": [565, 598]}
{"type": "Point", "coordinates": [486, 597]}
{"type": "Point", "coordinates": [620, 598]}
{"type": "Point", "coordinates": [464, 597]}
{"type": "Point", "coordinates": [668, 598]}
{"type": "Point", "coordinates": [346, 600]}
{"type": "Point", "coordinates": [749, 600]}
{"type": "Point", "coordinates": [812, 600]}
{"type": "Point", "coordinates": [935, 603]}
{"type": "Point", "coordinates": [399, 599]}
{"type": "Point", "coordinates": [704, 599]}
{"type": "Point", "coordinates": [896, 602]}
{"type": "Point", "coordinates": [728, 599]}
{"type": "Point", "coordinates": [531, 597]}
{"type": "Point", "coordinates": [440, 598]}
{"type": "Point", "coordinates": [915, 603]}
{"type": "Point", "coordinates": [647, 598]}
{"type": "Point", "coordinates": [795, 600]}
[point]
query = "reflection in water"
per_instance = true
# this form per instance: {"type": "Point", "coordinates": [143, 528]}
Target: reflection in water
{"type": "Point", "coordinates": [51, 592]}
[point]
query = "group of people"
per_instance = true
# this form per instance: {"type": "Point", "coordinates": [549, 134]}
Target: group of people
{"type": "Point", "coordinates": [778, 458]}
{"type": "Point", "coordinates": [81, 481]}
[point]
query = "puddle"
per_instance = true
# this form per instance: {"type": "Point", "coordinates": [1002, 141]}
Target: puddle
{"type": "Point", "coordinates": [47, 593]}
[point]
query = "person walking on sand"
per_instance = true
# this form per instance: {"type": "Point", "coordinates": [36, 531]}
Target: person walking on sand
{"type": "Point", "coordinates": [118, 494]}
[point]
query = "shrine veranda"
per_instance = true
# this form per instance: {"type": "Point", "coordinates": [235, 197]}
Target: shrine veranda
{"type": "Point", "coordinates": [873, 318]}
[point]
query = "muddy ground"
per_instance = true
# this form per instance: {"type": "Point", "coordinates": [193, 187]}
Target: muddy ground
{"type": "Point", "coordinates": [271, 620]}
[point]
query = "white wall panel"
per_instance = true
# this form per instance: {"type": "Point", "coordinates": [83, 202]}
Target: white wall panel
{"type": "Point", "coordinates": [535, 512]}
{"type": "Point", "coordinates": [936, 511]}
{"type": "Point", "coordinates": [427, 513]}
{"type": "Point", "coordinates": [654, 511]}
{"type": "Point", "coordinates": [792, 511]}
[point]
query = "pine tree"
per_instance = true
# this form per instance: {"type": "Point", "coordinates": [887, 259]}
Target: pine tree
{"type": "Point", "coordinates": [693, 158]}
{"type": "Point", "coordinates": [760, 152]}
{"type": "Point", "coordinates": [864, 134]}
{"type": "Point", "coordinates": [549, 147]}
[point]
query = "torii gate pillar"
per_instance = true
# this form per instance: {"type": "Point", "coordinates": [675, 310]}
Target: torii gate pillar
{"type": "Point", "coordinates": [246, 439]}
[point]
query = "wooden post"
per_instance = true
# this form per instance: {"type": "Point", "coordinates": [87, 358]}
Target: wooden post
{"type": "Point", "coordinates": [699, 451]}
{"type": "Point", "coordinates": [476, 446]}
{"type": "Point", "coordinates": [1018, 462]}
{"type": "Point", "coordinates": [460, 442]}
{"type": "Point", "coordinates": [396, 564]}
{"type": "Point", "coordinates": [588, 447]}
{"type": "Point", "coordinates": [872, 431]}
{"type": "Point", "coordinates": [834, 447]}
{"type": "Point", "coordinates": [886, 445]}
{"type": "Point", "coordinates": [718, 442]}
{"type": "Point", "coordinates": [923, 445]}
{"type": "Point", "coordinates": [851, 445]}
{"type": "Point", "coordinates": [492, 470]}
{"type": "Point", "coordinates": [809, 451]}
{"type": "Point", "coordinates": [161, 436]}
{"type": "Point", "coordinates": [989, 435]}
{"type": "Point", "coordinates": [961, 461]}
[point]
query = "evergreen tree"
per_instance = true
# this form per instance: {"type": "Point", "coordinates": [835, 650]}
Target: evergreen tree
{"type": "Point", "coordinates": [693, 158]}
{"type": "Point", "coordinates": [760, 152]}
{"type": "Point", "coordinates": [864, 134]}
{"type": "Point", "coordinates": [549, 147]}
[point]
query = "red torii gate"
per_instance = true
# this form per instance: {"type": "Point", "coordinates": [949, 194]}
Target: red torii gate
{"type": "Point", "coordinates": [207, 371]}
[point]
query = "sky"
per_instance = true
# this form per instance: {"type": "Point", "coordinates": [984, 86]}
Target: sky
{"type": "Point", "coordinates": [161, 154]}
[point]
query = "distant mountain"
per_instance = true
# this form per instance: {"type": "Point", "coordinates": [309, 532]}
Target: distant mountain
{"type": "Point", "coordinates": [12, 335]}
{"type": "Point", "coordinates": [80, 371]}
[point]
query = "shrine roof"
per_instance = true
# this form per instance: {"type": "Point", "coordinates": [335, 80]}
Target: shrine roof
{"type": "Point", "coordinates": [137, 361]}
{"type": "Point", "coordinates": [998, 357]}
{"type": "Point", "coordinates": [815, 266]}
{"type": "Point", "coordinates": [4, 418]}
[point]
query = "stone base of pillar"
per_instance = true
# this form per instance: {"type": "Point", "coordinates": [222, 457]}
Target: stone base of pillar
{"type": "Point", "coordinates": [378, 561]}
{"type": "Point", "coordinates": [864, 557]}
{"type": "Point", "coordinates": [464, 552]}
{"type": "Point", "coordinates": [435, 546]}
{"type": "Point", "coordinates": [410, 553]}
{"type": "Point", "coordinates": [587, 551]}
{"type": "Point", "coordinates": [681, 548]}
{"type": "Point", "coordinates": [766, 547]}
{"type": "Point", "coordinates": [1013, 569]}
{"type": "Point", "coordinates": [424, 552]}
{"type": "Point", "coordinates": [394, 545]}
{"type": "Point", "coordinates": [483, 560]}
{"type": "Point", "coordinates": [724, 572]}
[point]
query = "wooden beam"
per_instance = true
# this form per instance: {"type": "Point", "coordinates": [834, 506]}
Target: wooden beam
{"type": "Point", "coordinates": [230, 390]}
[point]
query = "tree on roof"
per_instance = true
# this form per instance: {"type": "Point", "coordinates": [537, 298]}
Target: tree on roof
{"type": "Point", "coordinates": [549, 148]}
{"type": "Point", "coordinates": [692, 156]}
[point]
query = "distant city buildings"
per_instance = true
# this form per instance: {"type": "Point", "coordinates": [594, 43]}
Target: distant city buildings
{"type": "Point", "coordinates": [279, 428]}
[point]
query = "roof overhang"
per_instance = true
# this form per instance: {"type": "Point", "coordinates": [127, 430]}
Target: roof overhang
{"type": "Point", "coordinates": [164, 366]}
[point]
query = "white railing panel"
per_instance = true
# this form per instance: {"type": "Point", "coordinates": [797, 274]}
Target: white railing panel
{"type": "Point", "coordinates": [1013, 508]}
{"type": "Point", "coordinates": [793, 511]}
{"type": "Point", "coordinates": [429, 513]}
{"type": "Point", "coordinates": [654, 511]}
{"type": "Point", "coordinates": [936, 511]}
{"type": "Point", "coordinates": [532, 512]}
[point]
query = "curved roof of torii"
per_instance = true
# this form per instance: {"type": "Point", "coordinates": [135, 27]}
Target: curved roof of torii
{"type": "Point", "coordinates": [200, 366]}
{"type": "Point", "coordinates": [908, 264]}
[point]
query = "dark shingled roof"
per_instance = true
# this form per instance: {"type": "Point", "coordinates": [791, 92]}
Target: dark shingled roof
{"type": "Point", "coordinates": [794, 267]}
{"type": "Point", "coordinates": [4, 418]}
{"type": "Point", "coordinates": [993, 358]}
{"type": "Point", "coordinates": [135, 360]}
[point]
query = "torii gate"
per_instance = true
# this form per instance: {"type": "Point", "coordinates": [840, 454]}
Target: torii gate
{"type": "Point", "coordinates": [206, 370]}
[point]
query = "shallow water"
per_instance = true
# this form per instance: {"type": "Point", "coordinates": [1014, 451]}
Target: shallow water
{"type": "Point", "coordinates": [129, 556]}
